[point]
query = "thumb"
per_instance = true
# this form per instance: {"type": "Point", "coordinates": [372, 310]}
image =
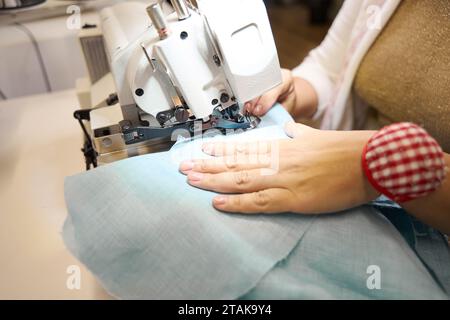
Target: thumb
{"type": "Point", "coordinates": [266, 102]}
{"type": "Point", "coordinates": [294, 130]}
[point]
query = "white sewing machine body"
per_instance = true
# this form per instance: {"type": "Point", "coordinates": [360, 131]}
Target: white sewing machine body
{"type": "Point", "coordinates": [182, 68]}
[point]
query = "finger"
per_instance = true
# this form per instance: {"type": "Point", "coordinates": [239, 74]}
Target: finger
{"type": "Point", "coordinates": [250, 105]}
{"type": "Point", "coordinates": [224, 149]}
{"type": "Point", "coordinates": [233, 182]}
{"type": "Point", "coordinates": [278, 93]}
{"type": "Point", "coordinates": [261, 105]}
{"type": "Point", "coordinates": [265, 201]}
{"type": "Point", "coordinates": [224, 164]}
{"type": "Point", "coordinates": [266, 102]}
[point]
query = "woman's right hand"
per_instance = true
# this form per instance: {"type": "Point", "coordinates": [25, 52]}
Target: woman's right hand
{"type": "Point", "coordinates": [287, 93]}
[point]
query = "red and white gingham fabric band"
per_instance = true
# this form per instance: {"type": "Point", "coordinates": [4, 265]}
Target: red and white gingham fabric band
{"type": "Point", "coordinates": [403, 162]}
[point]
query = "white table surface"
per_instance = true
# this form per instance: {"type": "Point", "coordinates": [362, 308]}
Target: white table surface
{"type": "Point", "coordinates": [40, 145]}
{"type": "Point", "coordinates": [21, 74]}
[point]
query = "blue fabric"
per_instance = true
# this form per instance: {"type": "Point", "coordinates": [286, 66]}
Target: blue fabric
{"type": "Point", "coordinates": [331, 261]}
{"type": "Point", "coordinates": [429, 244]}
{"type": "Point", "coordinates": [145, 233]}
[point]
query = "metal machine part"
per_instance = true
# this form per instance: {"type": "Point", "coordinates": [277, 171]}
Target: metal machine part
{"type": "Point", "coordinates": [221, 119]}
{"type": "Point", "coordinates": [180, 73]}
{"type": "Point", "coordinates": [181, 9]}
{"type": "Point", "coordinates": [158, 19]}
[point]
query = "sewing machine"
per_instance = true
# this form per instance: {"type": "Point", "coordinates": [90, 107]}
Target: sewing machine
{"type": "Point", "coordinates": [172, 70]}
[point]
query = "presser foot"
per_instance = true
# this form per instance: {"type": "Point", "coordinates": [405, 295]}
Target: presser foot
{"type": "Point", "coordinates": [224, 120]}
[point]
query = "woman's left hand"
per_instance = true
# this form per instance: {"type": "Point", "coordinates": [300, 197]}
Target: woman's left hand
{"type": "Point", "coordinates": [314, 172]}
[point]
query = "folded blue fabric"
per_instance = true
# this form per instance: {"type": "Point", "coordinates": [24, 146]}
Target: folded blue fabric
{"type": "Point", "coordinates": [146, 234]}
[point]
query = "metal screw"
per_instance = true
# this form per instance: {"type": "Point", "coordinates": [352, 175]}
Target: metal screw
{"type": "Point", "coordinates": [183, 35]}
{"type": "Point", "coordinates": [139, 92]}
{"type": "Point", "coordinates": [216, 60]}
{"type": "Point", "coordinates": [224, 97]}
{"type": "Point", "coordinates": [107, 142]}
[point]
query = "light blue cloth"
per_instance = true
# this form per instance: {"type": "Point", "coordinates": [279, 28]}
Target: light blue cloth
{"type": "Point", "coordinates": [331, 262]}
{"type": "Point", "coordinates": [145, 233]}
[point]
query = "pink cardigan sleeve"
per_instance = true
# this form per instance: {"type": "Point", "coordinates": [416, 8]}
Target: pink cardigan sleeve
{"type": "Point", "coordinates": [324, 63]}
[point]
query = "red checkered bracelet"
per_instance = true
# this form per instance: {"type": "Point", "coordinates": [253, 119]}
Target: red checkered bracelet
{"type": "Point", "coordinates": [403, 162]}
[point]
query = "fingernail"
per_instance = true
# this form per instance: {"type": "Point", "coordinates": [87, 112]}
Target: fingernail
{"type": "Point", "coordinates": [258, 109]}
{"type": "Point", "coordinates": [247, 106]}
{"type": "Point", "coordinates": [195, 176]}
{"type": "Point", "coordinates": [219, 200]}
{"type": "Point", "coordinates": [186, 166]}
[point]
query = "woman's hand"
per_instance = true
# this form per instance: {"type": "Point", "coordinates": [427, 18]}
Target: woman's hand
{"type": "Point", "coordinates": [315, 172]}
{"type": "Point", "coordinates": [296, 95]}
